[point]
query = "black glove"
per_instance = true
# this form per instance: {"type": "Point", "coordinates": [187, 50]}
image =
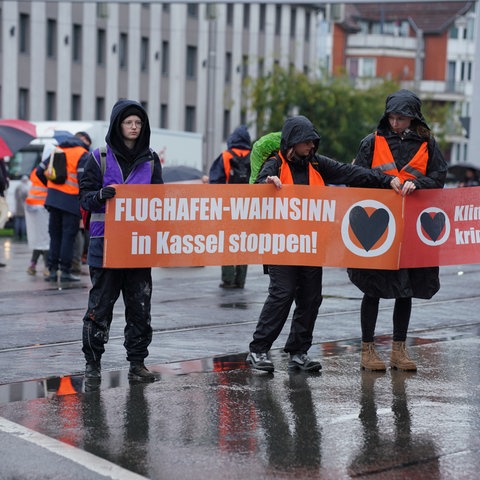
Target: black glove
{"type": "Point", "coordinates": [104, 193]}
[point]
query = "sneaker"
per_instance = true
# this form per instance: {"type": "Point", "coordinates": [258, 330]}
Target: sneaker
{"type": "Point", "coordinates": [92, 370]}
{"type": "Point", "coordinates": [139, 372]}
{"type": "Point", "coordinates": [260, 361]}
{"type": "Point", "coordinates": [301, 361]}
{"type": "Point", "coordinates": [68, 277]}
{"type": "Point", "coordinates": [31, 270]}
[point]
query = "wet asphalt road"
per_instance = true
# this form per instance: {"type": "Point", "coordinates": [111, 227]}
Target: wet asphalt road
{"type": "Point", "coordinates": [208, 415]}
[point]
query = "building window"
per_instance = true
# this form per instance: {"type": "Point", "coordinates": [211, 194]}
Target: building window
{"type": "Point", "coordinates": [361, 67]}
{"type": "Point", "coordinates": [278, 19]}
{"type": "Point", "coordinates": [190, 119]}
{"type": "Point", "coordinates": [77, 43]}
{"type": "Point", "coordinates": [261, 67]}
{"type": "Point", "coordinates": [228, 67]}
{"type": "Point", "coordinates": [306, 30]}
{"type": "Point", "coordinates": [165, 57]}
{"type": "Point", "coordinates": [230, 14]}
{"type": "Point", "coordinates": [246, 16]}
{"type": "Point", "coordinates": [51, 38]}
{"type": "Point", "coordinates": [123, 50]}
{"type": "Point", "coordinates": [144, 53]}
{"type": "Point", "coordinates": [293, 22]}
{"type": "Point", "coordinates": [23, 104]}
{"type": "Point", "coordinates": [453, 32]}
{"type": "Point", "coordinates": [191, 67]}
{"type": "Point", "coordinates": [244, 67]}
{"type": "Point", "coordinates": [192, 10]}
{"type": "Point", "coordinates": [100, 108]}
{"type": "Point", "coordinates": [163, 115]}
{"type": "Point", "coordinates": [24, 33]}
{"type": "Point", "coordinates": [102, 10]}
{"type": "Point", "coordinates": [101, 47]}
{"type": "Point", "coordinates": [263, 16]}
{"type": "Point", "coordinates": [76, 107]}
{"type": "Point", "coordinates": [50, 106]}
{"type": "Point", "coordinates": [226, 124]}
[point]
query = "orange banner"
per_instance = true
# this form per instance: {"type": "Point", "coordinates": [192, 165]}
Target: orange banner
{"type": "Point", "coordinates": [194, 225]}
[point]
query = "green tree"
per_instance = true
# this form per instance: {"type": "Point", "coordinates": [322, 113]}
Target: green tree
{"type": "Point", "coordinates": [342, 114]}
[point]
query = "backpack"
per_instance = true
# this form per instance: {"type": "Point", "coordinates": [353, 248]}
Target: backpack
{"type": "Point", "coordinates": [56, 171]}
{"type": "Point", "coordinates": [239, 168]}
{"type": "Point", "coordinates": [263, 149]}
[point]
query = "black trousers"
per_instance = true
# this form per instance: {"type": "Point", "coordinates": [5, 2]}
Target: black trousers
{"type": "Point", "coordinates": [135, 284]}
{"type": "Point", "coordinates": [401, 317]}
{"type": "Point", "coordinates": [289, 283]}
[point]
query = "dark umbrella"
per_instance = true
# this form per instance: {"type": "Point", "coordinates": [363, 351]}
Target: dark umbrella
{"type": "Point", "coordinates": [62, 135]}
{"type": "Point", "coordinates": [15, 134]}
{"type": "Point", "coordinates": [458, 170]}
{"type": "Point", "coordinates": [180, 173]}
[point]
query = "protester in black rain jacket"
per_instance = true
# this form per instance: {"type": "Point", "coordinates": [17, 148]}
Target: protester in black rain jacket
{"type": "Point", "coordinates": [297, 163]}
{"type": "Point", "coordinates": [403, 136]}
{"type": "Point", "coordinates": [129, 160]}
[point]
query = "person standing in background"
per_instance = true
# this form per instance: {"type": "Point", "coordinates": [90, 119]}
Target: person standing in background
{"type": "Point", "coordinates": [36, 218]}
{"type": "Point", "coordinates": [63, 205]}
{"type": "Point", "coordinates": [21, 193]}
{"type": "Point", "coordinates": [233, 166]}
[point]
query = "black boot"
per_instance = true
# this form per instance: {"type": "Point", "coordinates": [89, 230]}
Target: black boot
{"type": "Point", "coordinates": [93, 370]}
{"type": "Point", "coordinates": [139, 372]}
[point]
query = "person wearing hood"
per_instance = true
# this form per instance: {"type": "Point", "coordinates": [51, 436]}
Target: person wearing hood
{"type": "Point", "coordinates": [233, 166]}
{"type": "Point", "coordinates": [404, 146]}
{"type": "Point", "coordinates": [63, 206]}
{"type": "Point", "coordinates": [297, 163]}
{"type": "Point", "coordinates": [127, 159]}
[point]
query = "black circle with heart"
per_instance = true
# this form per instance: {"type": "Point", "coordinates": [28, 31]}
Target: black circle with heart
{"type": "Point", "coordinates": [368, 228]}
{"type": "Point", "coordinates": [433, 226]}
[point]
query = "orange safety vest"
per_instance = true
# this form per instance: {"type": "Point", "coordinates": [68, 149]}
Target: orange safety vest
{"type": "Point", "coordinates": [227, 156]}
{"type": "Point", "coordinates": [38, 191]}
{"type": "Point", "coordinates": [314, 177]}
{"type": "Point", "coordinates": [383, 161]}
{"type": "Point", "coordinates": [70, 186]}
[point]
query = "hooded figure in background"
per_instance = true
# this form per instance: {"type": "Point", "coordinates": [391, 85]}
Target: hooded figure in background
{"type": "Point", "coordinates": [403, 146]}
{"type": "Point", "coordinates": [297, 163]}
{"type": "Point", "coordinates": [233, 166]}
{"type": "Point", "coordinates": [127, 159]}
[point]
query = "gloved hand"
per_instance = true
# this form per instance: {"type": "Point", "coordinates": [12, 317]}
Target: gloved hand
{"type": "Point", "coordinates": [104, 193]}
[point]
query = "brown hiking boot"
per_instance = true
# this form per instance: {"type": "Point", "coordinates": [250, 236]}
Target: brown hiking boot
{"type": "Point", "coordinates": [370, 359]}
{"type": "Point", "coordinates": [400, 359]}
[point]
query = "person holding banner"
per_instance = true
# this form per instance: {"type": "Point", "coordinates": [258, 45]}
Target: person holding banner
{"type": "Point", "coordinates": [404, 146]}
{"type": "Point", "coordinates": [127, 159]}
{"type": "Point", "coordinates": [297, 163]}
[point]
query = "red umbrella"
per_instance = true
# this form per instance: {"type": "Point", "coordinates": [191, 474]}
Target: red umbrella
{"type": "Point", "coordinates": [15, 134]}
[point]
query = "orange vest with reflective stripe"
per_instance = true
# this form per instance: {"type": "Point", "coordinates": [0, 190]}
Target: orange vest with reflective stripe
{"type": "Point", "coordinates": [70, 186]}
{"type": "Point", "coordinates": [314, 177]}
{"type": "Point", "coordinates": [38, 191]}
{"type": "Point", "coordinates": [383, 161]}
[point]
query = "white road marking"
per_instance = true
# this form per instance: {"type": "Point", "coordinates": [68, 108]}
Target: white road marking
{"type": "Point", "coordinates": [85, 459]}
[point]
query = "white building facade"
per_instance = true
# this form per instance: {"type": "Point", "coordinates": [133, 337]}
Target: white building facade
{"type": "Point", "coordinates": [185, 62]}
